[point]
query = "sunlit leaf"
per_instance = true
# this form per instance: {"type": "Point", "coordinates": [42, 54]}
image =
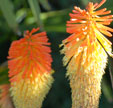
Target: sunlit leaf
{"type": "Point", "coordinates": [21, 14]}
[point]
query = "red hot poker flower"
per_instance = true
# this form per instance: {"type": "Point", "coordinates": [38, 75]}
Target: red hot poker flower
{"type": "Point", "coordinates": [85, 53]}
{"type": "Point", "coordinates": [30, 69]}
{"type": "Point", "coordinates": [29, 56]}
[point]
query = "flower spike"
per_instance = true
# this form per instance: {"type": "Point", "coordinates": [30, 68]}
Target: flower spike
{"type": "Point", "coordinates": [30, 69]}
{"type": "Point", "coordinates": [86, 53]}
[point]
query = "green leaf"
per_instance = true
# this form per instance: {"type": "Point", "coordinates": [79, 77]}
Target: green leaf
{"type": "Point", "coordinates": [107, 90]}
{"type": "Point", "coordinates": [45, 4]}
{"type": "Point", "coordinates": [21, 14]}
{"type": "Point", "coordinates": [4, 75]}
{"type": "Point", "coordinates": [36, 12]}
{"type": "Point", "coordinates": [110, 66]}
{"type": "Point", "coordinates": [55, 21]}
{"type": "Point", "coordinates": [6, 7]}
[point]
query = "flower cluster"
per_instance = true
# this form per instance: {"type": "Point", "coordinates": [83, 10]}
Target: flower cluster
{"type": "Point", "coordinates": [30, 69]}
{"type": "Point", "coordinates": [85, 57]}
{"type": "Point", "coordinates": [86, 53]}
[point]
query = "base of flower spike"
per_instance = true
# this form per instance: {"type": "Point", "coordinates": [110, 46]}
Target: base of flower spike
{"type": "Point", "coordinates": [85, 82]}
{"type": "Point", "coordinates": [28, 94]}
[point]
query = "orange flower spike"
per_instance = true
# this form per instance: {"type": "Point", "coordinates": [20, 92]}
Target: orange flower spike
{"type": "Point", "coordinates": [30, 69]}
{"type": "Point", "coordinates": [86, 53]}
{"type": "Point", "coordinates": [5, 99]}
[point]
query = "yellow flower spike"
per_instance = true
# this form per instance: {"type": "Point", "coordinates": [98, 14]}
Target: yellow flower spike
{"type": "Point", "coordinates": [86, 53]}
{"type": "Point", "coordinates": [30, 69]}
{"type": "Point", "coordinates": [5, 99]}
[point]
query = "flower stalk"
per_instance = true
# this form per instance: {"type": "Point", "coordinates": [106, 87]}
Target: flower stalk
{"type": "Point", "coordinates": [85, 57]}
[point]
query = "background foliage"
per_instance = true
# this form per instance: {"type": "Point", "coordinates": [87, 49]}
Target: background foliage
{"type": "Point", "coordinates": [16, 16]}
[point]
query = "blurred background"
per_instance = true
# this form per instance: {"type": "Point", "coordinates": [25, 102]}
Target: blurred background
{"type": "Point", "coordinates": [16, 16]}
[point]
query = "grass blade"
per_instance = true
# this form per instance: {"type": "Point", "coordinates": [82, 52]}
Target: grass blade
{"type": "Point", "coordinates": [36, 12]}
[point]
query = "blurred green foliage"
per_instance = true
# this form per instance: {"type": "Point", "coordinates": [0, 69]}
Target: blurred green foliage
{"type": "Point", "coordinates": [16, 16]}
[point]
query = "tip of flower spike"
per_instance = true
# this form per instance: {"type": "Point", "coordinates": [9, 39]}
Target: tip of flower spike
{"type": "Point", "coordinates": [34, 30]}
{"type": "Point", "coordinates": [28, 33]}
{"type": "Point", "coordinates": [95, 4]}
{"type": "Point", "coordinates": [29, 56]}
{"type": "Point", "coordinates": [100, 4]}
